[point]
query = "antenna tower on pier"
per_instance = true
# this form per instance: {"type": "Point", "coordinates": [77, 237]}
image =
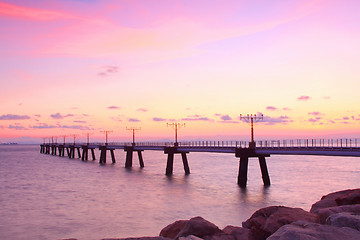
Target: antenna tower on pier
{"type": "Point", "coordinates": [251, 118]}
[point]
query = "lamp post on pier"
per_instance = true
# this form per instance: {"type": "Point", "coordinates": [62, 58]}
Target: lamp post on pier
{"type": "Point", "coordinates": [106, 136]}
{"type": "Point", "coordinates": [133, 129]}
{"type": "Point", "coordinates": [176, 126]}
{"type": "Point", "coordinates": [88, 138]}
{"type": "Point", "coordinates": [251, 118]}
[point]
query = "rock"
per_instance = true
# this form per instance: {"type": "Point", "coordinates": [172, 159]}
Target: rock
{"type": "Point", "coordinates": [345, 197]}
{"type": "Point", "coordinates": [139, 238]}
{"type": "Point", "coordinates": [198, 227]}
{"type": "Point", "coordinates": [172, 230]}
{"type": "Point", "coordinates": [301, 230]}
{"type": "Point", "coordinates": [238, 233]}
{"type": "Point", "coordinates": [266, 221]}
{"type": "Point", "coordinates": [190, 237]}
{"type": "Point", "coordinates": [344, 219]}
{"type": "Point", "coordinates": [324, 213]}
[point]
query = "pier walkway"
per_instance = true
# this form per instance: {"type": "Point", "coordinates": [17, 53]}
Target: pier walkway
{"type": "Point", "coordinates": [241, 149]}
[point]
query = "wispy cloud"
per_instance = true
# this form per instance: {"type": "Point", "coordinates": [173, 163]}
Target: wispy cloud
{"type": "Point", "coordinates": [133, 120]}
{"type": "Point", "coordinates": [303, 98]}
{"type": "Point", "coordinates": [141, 110]}
{"type": "Point", "coordinates": [108, 70]}
{"type": "Point", "coordinates": [43, 126]}
{"type": "Point", "coordinates": [157, 119]}
{"type": "Point", "coordinates": [31, 13]}
{"type": "Point", "coordinates": [276, 120]}
{"type": "Point", "coordinates": [60, 116]}
{"type": "Point", "coordinates": [17, 127]}
{"type": "Point", "coordinates": [14, 117]}
{"type": "Point", "coordinates": [113, 107]}
{"type": "Point", "coordinates": [315, 113]}
{"type": "Point", "coordinates": [271, 108]}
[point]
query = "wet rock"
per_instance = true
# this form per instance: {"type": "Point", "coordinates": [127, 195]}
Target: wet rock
{"type": "Point", "coordinates": [302, 230]}
{"type": "Point", "coordinates": [173, 229]}
{"type": "Point", "coordinates": [266, 221]}
{"type": "Point", "coordinates": [344, 219]}
{"type": "Point", "coordinates": [198, 227]}
{"type": "Point", "coordinates": [324, 213]}
{"type": "Point", "coordinates": [345, 197]}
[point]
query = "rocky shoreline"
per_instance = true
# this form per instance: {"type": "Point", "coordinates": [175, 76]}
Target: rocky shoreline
{"type": "Point", "coordinates": [335, 216]}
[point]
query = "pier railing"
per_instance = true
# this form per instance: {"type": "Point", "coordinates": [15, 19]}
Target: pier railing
{"type": "Point", "coordinates": [301, 143]}
{"type": "Point", "coordinates": [287, 143]}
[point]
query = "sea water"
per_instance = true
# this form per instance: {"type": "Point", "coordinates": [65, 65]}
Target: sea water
{"type": "Point", "coordinates": [52, 197]}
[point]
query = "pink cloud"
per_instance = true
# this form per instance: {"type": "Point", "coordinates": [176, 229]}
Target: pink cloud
{"type": "Point", "coordinates": [271, 108]}
{"type": "Point", "coordinates": [12, 10]}
{"type": "Point", "coordinates": [59, 116]}
{"type": "Point", "coordinates": [315, 113]}
{"type": "Point", "coordinates": [303, 98]}
{"type": "Point", "coordinates": [141, 110]}
{"type": "Point", "coordinates": [113, 107]}
{"type": "Point", "coordinates": [14, 117]}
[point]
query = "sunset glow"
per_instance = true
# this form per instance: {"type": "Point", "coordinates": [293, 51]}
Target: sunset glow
{"type": "Point", "coordinates": [78, 66]}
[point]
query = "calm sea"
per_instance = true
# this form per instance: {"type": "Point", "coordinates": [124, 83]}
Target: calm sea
{"type": "Point", "coordinates": [51, 197]}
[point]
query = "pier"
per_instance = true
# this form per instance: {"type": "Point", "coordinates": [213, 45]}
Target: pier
{"type": "Point", "coordinates": [242, 150]}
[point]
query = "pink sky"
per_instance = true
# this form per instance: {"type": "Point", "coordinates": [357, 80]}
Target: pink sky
{"type": "Point", "coordinates": [77, 66]}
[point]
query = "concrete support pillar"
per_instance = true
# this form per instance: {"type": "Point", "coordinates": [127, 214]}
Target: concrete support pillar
{"type": "Point", "coordinates": [264, 171]}
{"type": "Point", "coordinates": [68, 151]}
{"type": "Point", "coordinates": [141, 161]}
{"type": "Point", "coordinates": [84, 153]}
{"type": "Point", "coordinates": [102, 155]}
{"type": "Point", "coordinates": [129, 158]}
{"type": "Point", "coordinates": [170, 164]}
{"type": "Point", "coordinates": [78, 151]}
{"type": "Point", "coordinates": [243, 169]}
{"type": "Point", "coordinates": [185, 163]}
{"type": "Point", "coordinates": [112, 156]}
{"type": "Point", "coordinates": [93, 154]}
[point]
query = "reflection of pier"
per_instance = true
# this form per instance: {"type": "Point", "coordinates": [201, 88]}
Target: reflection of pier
{"type": "Point", "coordinates": [263, 149]}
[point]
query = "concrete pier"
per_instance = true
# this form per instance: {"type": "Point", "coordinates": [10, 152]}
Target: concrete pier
{"type": "Point", "coordinates": [170, 151]}
{"type": "Point", "coordinates": [129, 156]}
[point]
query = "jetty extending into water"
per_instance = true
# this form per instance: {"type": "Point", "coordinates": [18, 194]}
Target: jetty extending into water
{"type": "Point", "coordinates": [242, 150]}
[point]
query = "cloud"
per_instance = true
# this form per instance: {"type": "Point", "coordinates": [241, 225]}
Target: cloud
{"type": "Point", "coordinates": [303, 98]}
{"type": "Point", "coordinates": [14, 117]}
{"type": "Point", "coordinates": [271, 108]}
{"type": "Point", "coordinates": [141, 110]}
{"type": "Point", "coordinates": [133, 120]}
{"type": "Point", "coordinates": [226, 118]}
{"type": "Point", "coordinates": [315, 113]}
{"type": "Point", "coordinates": [314, 120]}
{"type": "Point", "coordinates": [59, 116]}
{"type": "Point", "coordinates": [37, 115]}
{"type": "Point", "coordinates": [196, 119]}
{"type": "Point", "coordinates": [276, 120]}
{"type": "Point", "coordinates": [286, 109]}
{"type": "Point", "coordinates": [77, 121]}
{"type": "Point", "coordinates": [31, 13]}
{"type": "Point", "coordinates": [43, 126]}
{"type": "Point", "coordinates": [326, 97]}
{"type": "Point", "coordinates": [17, 127]}
{"type": "Point", "coordinates": [79, 127]}
{"type": "Point", "coordinates": [108, 70]}
{"type": "Point", "coordinates": [346, 118]}
{"type": "Point", "coordinates": [113, 107]}
{"type": "Point", "coordinates": [157, 119]}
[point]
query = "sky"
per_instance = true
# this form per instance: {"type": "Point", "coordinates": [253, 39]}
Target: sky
{"type": "Point", "coordinates": [72, 67]}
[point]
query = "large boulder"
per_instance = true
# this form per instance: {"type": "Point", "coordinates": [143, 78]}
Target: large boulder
{"type": "Point", "coordinates": [301, 230]}
{"type": "Point", "coordinates": [324, 213]}
{"type": "Point", "coordinates": [345, 197]}
{"type": "Point", "coordinates": [266, 221]}
{"type": "Point", "coordinates": [173, 229]}
{"type": "Point", "coordinates": [198, 227]}
{"type": "Point", "coordinates": [344, 219]}
{"type": "Point", "coordinates": [238, 233]}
